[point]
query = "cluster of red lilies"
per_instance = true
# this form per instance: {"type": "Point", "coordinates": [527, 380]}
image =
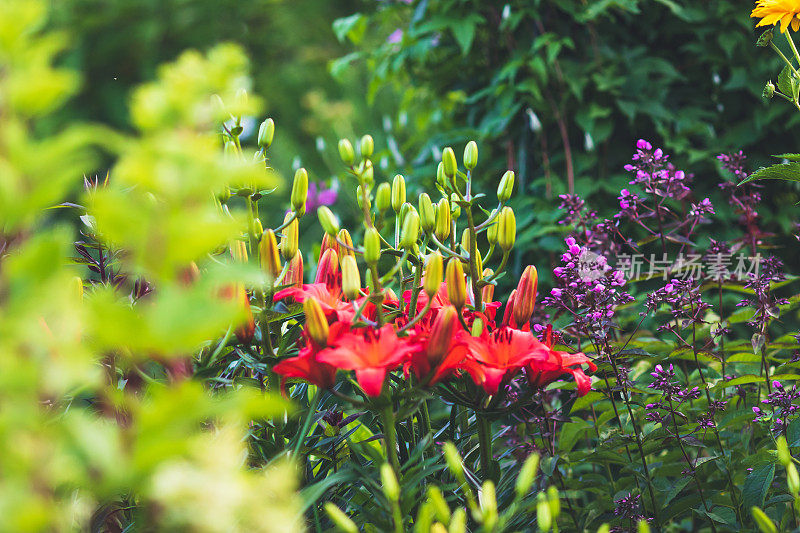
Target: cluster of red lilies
{"type": "Point", "coordinates": [431, 341]}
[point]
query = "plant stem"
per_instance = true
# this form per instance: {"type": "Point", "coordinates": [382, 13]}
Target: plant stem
{"type": "Point", "coordinates": [390, 437]}
{"type": "Point", "coordinates": [312, 408]}
{"type": "Point", "coordinates": [485, 444]}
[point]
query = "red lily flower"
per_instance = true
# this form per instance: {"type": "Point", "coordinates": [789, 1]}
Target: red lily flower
{"type": "Point", "coordinates": [306, 366]}
{"type": "Point", "coordinates": [371, 353]}
{"type": "Point", "coordinates": [443, 348]}
{"type": "Point", "coordinates": [542, 373]}
{"type": "Point", "coordinates": [501, 354]}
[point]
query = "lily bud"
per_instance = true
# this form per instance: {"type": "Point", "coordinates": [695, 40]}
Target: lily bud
{"type": "Point", "coordinates": [465, 240]}
{"type": "Point", "coordinates": [391, 489]}
{"type": "Point", "coordinates": [793, 479]}
{"type": "Point", "coordinates": [239, 251]}
{"type": "Point", "coordinates": [290, 239]}
{"type": "Point", "coordinates": [266, 132]}
{"type": "Point", "coordinates": [456, 284]}
{"type": "Point", "coordinates": [471, 155]}
{"type": "Point", "coordinates": [247, 329]}
{"type": "Point", "coordinates": [764, 522]}
{"type": "Point", "coordinates": [442, 331]}
{"type": "Point", "coordinates": [543, 518]}
{"type": "Point", "coordinates": [509, 312]}
{"type": "Point", "coordinates": [526, 296]}
{"type": "Point", "coordinates": [351, 279]}
{"type": "Point", "coordinates": [257, 228]}
{"type": "Point", "coordinates": [784, 455]}
{"type": "Point", "coordinates": [454, 461]}
{"type": "Point", "coordinates": [443, 222]}
{"type": "Point", "coordinates": [410, 233]}
{"type": "Point", "coordinates": [328, 243]}
{"type": "Point", "coordinates": [316, 323]}
{"type": "Point", "coordinates": [344, 237]}
{"type": "Point", "coordinates": [360, 198]}
{"type": "Point", "coordinates": [456, 209]}
{"type": "Point", "coordinates": [491, 233]}
{"type": "Point", "coordinates": [506, 187]}
{"type": "Point", "coordinates": [367, 146]}
{"type": "Point", "coordinates": [439, 504]}
{"type": "Point", "coordinates": [554, 501]}
{"type": "Point", "coordinates": [458, 524]}
{"type": "Point", "coordinates": [433, 274]}
{"type": "Point", "coordinates": [404, 210]}
{"type": "Point", "coordinates": [477, 327]}
{"type": "Point", "coordinates": [527, 475]}
{"type": "Point", "coordinates": [368, 174]}
{"type": "Point", "coordinates": [642, 527]}
{"type": "Point", "coordinates": [339, 519]}
{"type": "Point", "coordinates": [489, 505]}
{"type": "Point", "coordinates": [506, 229]}
{"type": "Point", "coordinates": [328, 268]}
{"type": "Point", "coordinates": [346, 152]}
{"type": "Point", "coordinates": [383, 197]}
{"type": "Point", "coordinates": [487, 292]}
{"type": "Point", "coordinates": [372, 246]}
{"type": "Point", "coordinates": [427, 214]}
{"type": "Point", "coordinates": [268, 252]}
{"type": "Point", "coordinates": [328, 220]}
{"type": "Point", "coordinates": [398, 192]}
{"type": "Point", "coordinates": [441, 179]}
{"type": "Point", "coordinates": [294, 271]}
{"type": "Point", "coordinates": [449, 161]}
{"type": "Point", "coordinates": [300, 191]}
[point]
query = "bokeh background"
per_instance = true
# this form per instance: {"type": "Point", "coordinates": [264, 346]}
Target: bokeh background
{"type": "Point", "coordinates": [559, 91]}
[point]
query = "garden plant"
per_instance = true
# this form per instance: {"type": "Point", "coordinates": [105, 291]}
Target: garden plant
{"type": "Point", "coordinates": [175, 354]}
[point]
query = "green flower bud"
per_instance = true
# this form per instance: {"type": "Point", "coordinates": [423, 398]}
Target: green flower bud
{"type": "Point", "coordinates": [489, 505]}
{"type": "Point", "coordinates": [372, 246]}
{"type": "Point", "coordinates": [290, 239]}
{"type": "Point", "coordinates": [405, 209]}
{"type": "Point", "coordinates": [328, 221]}
{"type": "Point", "coordinates": [368, 174]}
{"type": "Point", "coordinates": [266, 132]}
{"type": "Point", "coordinates": [398, 192]}
{"type": "Point", "coordinates": [449, 160]}
{"type": "Point", "coordinates": [360, 198]}
{"type": "Point", "coordinates": [456, 208]}
{"type": "Point", "coordinates": [458, 524]}
{"type": "Point", "coordinates": [443, 222]}
{"type": "Point", "coordinates": [554, 501]}
{"type": "Point", "coordinates": [477, 327]}
{"type": "Point", "coordinates": [346, 152]}
{"type": "Point", "coordinates": [339, 519]}
{"type": "Point", "coordinates": [410, 233]}
{"type": "Point", "coordinates": [506, 187]}
{"type": "Point", "coordinates": [765, 38]}
{"type": "Point", "coordinates": [268, 252]}
{"type": "Point", "coordinates": [344, 237]}
{"type": "Point", "coordinates": [351, 279]}
{"type": "Point", "coordinates": [764, 523]}
{"type": "Point", "coordinates": [454, 461]}
{"type": "Point", "coordinates": [471, 155]}
{"type": "Point", "coordinates": [440, 508]}
{"type": "Point", "coordinates": [299, 191]}
{"type": "Point", "coordinates": [257, 228]}
{"type": "Point", "coordinates": [769, 90]}
{"type": "Point", "coordinates": [433, 274]}
{"type": "Point", "coordinates": [389, 483]}
{"type": "Point", "coordinates": [506, 229]}
{"type": "Point", "coordinates": [543, 518]}
{"type": "Point", "coordinates": [643, 526]}
{"type": "Point", "coordinates": [441, 179]}
{"type": "Point", "coordinates": [465, 240]}
{"type": "Point", "coordinates": [491, 233]}
{"type": "Point", "coordinates": [784, 455]}
{"type": "Point", "coordinates": [605, 528]}
{"type": "Point", "coordinates": [316, 323]}
{"type": "Point", "coordinates": [383, 197]}
{"type": "Point", "coordinates": [527, 475]}
{"type": "Point", "coordinates": [427, 214]}
{"type": "Point", "coordinates": [367, 146]}
{"type": "Point", "coordinates": [229, 151]}
{"type": "Point", "coordinates": [456, 283]}
{"type": "Point", "coordinates": [793, 480]}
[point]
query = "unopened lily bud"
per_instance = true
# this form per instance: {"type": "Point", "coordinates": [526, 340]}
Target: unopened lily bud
{"type": "Point", "coordinates": [554, 501]}
{"type": "Point", "coordinates": [487, 292]}
{"type": "Point", "coordinates": [239, 251]}
{"type": "Point", "coordinates": [257, 228]}
{"type": "Point", "coordinates": [465, 239]}
{"type": "Point", "coordinates": [351, 279]}
{"type": "Point", "coordinates": [441, 179]}
{"type": "Point", "coordinates": [368, 174]}
{"type": "Point", "coordinates": [316, 323]}
{"type": "Point", "coordinates": [427, 214]}
{"type": "Point", "coordinates": [458, 524]}
{"type": "Point", "coordinates": [344, 238]}
{"type": "Point", "coordinates": [441, 335]}
{"type": "Point", "coordinates": [247, 329]}
{"type": "Point", "coordinates": [391, 489]}
{"type": "Point", "coordinates": [300, 191]}
{"type": "Point", "coordinates": [527, 475]}
{"type": "Point", "coordinates": [346, 152]}
{"type": "Point", "coordinates": [438, 527]}
{"type": "Point", "coordinates": [489, 505]}
{"type": "Point", "coordinates": [491, 233]}
{"type": "Point", "coordinates": [266, 132]}
{"type": "Point", "coordinates": [372, 246]}
{"type": "Point", "coordinates": [383, 197]}
{"type": "Point", "coordinates": [367, 146]}
{"type": "Point", "coordinates": [328, 243]}
{"type": "Point", "coordinates": [290, 239]}
{"type": "Point", "coordinates": [410, 233]}
{"type": "Point", "coordinates": [76, 287]}
{"type": "Point", "coordinates": [398, 192]}
{"type": "Point", "coordinates": [471, 155]}
{"type": "Point", "coordinates": [456, 208]}
{"type": "Point", "coordinates": [268, 252]}
{"type": "Point", "coordinates": [229, 151]}
{"type": "Point", "coordinates": [439, 504]}
{"type": "Point", "coordinates": [294, 271]}
{"type": "Point", "coordinates": [339, 519]}
{"type": "Point", "coordinates": [477, 327]}
{"type": "Point", "coordinates": [784, 455]}
{"type": "Point", "coordinates": [449, 161]}
{"type": "Point", "coordinates": [443, 222]}
{"type": "Point", "coordinates": [433, 274]}
{"type": "Point", "coordinates": [764, 523]}
{"type": "Point", "coordinates": [605, 528]}
{"type": "Point", "coordinates": [643, 527]}
{"type": "Point", "coordinates": [543, 518]}
{"type": "Point", "coordinates": [328, 268]}
{"type": "Point", "coordinates": [456, 284]}
{"type": "Point", "coordinates": [525, 300]}
{"type": "Point", "coordinates": [454, 462]}
{"type": "Point", "coordinates": [404, 210]}
{"type": "Point", "coordinates": [506, 229]}
{"type": "Point", "coordinates": [328, 220]}
{"type": "Point", "coordinates": [793, 480]}
{"type": "Point", "coordinates": [506, 186]}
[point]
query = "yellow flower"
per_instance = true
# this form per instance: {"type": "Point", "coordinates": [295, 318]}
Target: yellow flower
{"type": "Point", "coordinates": [773, 11]}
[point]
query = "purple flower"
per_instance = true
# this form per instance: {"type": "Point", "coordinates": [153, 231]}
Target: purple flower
{"type": "Point", "coordinates": [395, 37]}
{"type": "Point", "coordinates": [320, 195]}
